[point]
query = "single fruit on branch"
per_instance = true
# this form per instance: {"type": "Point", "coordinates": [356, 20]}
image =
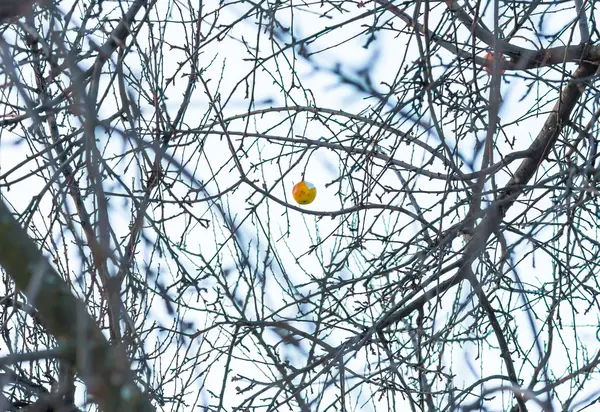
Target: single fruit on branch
{"type": "Point", "coordinates": [489, 58]}
{"type": "Point", "coordinates": [304, 192]}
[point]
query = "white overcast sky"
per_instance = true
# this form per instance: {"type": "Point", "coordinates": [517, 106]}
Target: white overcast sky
{"type": "Point", "coordinates": [228, 60]}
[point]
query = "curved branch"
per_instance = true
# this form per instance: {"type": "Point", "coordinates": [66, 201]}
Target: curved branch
{"type": "Point", "coordinates": [521, 58]}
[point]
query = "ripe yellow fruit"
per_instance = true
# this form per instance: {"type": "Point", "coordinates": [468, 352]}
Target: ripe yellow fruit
{"type": "Point", "coordinates": [304, 192]}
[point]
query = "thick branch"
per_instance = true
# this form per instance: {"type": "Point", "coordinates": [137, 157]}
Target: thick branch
{"type": "Point", "coordinates": [494, 215]}
{"type": "Point", "coordinates": [103, 368]}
